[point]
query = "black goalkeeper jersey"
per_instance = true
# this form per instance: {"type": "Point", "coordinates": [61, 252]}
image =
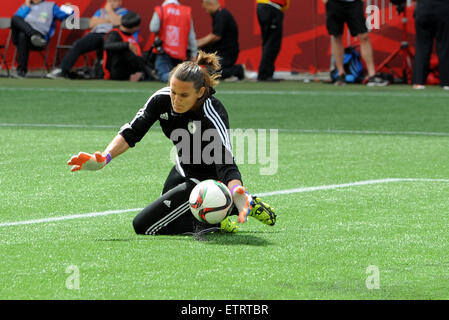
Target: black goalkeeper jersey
{"type": "Point", "coordinates": [201, 137]}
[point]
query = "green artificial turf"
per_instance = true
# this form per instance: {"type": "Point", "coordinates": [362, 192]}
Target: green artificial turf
{"type": "Point", "coordinates": [323, 242]}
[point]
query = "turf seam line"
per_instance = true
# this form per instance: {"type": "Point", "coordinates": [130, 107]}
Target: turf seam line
{"type": "Point", "coordinates": [329, 131]}
{"type": "Point", "coordinates": [263, 194]}
{"type": "Point", "coordinates": [363, 93]}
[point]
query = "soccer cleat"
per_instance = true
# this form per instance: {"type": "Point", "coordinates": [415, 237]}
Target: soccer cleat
{"type": "Point", "coordinates": [263, 212]}
{"type": "Point", "coordinates": [228, 226]}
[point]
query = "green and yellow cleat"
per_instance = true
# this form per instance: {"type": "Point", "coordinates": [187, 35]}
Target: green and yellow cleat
{"type": "Point", "coordinates": [263, 212]}
{"type": "Point", "coordinates": [228, 226]}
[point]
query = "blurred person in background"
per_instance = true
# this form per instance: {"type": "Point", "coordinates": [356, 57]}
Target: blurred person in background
{"type": "Point", "coordinates": [122, 54]}
{"type": "Point", "coordinates": [351, 12]}
{"type": "Point", "coordinates": [32, 26]}
{"type": "Point", "coordinates": [224, 40]}
{"type": "Point", "coordinates": [101, 23]}
{"type": "Point", "coordinates": [270, 15]}
{"type": "Point", "coordinates": [431, 23]}
{"type": "Point", "coordinates": [173, 25]}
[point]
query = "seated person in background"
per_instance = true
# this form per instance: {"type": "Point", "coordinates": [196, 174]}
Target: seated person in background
{"type": "Point", "coordinates": [32, 27]}
{"type": "Point", "coordinates": [101, 23]}
{"type": "Point", "coordinates": [224, 39]}
{"type": "Point", "coordinates": [176, 31]}
{"type": "Point", "coordinates": [122, 54]}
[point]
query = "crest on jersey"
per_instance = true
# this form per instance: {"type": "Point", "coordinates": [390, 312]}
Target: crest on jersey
{"type": "Point", "coordinates": [191, 127]}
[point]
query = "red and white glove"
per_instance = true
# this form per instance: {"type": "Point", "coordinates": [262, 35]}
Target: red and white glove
{"type": "Point", "coordinates": [242, 201]}
{"type": "Point", "coordinates": [87, 161]}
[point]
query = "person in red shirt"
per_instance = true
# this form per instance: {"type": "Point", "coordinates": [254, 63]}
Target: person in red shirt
{"type": "Point", "coordinates": [173, 24]}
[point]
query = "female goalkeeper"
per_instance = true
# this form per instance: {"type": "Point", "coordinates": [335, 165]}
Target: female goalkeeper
{"type": "Point", "coordinates": [186, 109]}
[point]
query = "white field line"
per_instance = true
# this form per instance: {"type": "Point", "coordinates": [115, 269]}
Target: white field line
{"type": "Point", "coordinates": [264, 194]}
{"type": "Point", "coordinates": [331, 93]}
{"type": "Point", "coordinates": [318, 131]}
{"type": "Point", "coordinates": [58, 125]}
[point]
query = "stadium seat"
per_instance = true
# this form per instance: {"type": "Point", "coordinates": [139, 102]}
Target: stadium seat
{"type": "Point", "coordinates": [5, 23]}
{"type": "Point", "coordinates": [84, 25]}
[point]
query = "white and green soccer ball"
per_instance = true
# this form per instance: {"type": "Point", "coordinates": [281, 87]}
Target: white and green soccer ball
{"type": "Point", "coordinates": [210, 201]}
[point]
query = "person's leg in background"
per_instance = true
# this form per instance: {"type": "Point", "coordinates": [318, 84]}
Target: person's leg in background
{"type": "Point", "coordinates": [163, 65]}
{"type": "Point", "coordinates": [271, 24]}
{"type": "Point", "coordinates": [442, 40]}
{"type": "Point", "coordinates": [88, 43]}
{"type": "Point", "coordinates": [22, 33]}
{"type": "Point", "coordinates": [127, 66]}
{"type": "Point", "coordinates": [425, 30]}
{"type": "Point", "coordinates": [338, 51]}
{"type": "Point", "coordinates": [366, 51]}
{"type": "Point", "coordinates": [230, 69]}
{"type": "Point", "coordinates": [335, 20]}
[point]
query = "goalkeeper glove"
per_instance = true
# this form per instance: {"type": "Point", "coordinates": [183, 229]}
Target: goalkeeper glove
{"type": "Point", "coordinates": [243, 202]}
{"type": "Point", "coordinates": [87, 161]}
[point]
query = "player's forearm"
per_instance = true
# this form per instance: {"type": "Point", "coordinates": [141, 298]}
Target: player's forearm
{"type": "Point", "coordinates": [117, 146]}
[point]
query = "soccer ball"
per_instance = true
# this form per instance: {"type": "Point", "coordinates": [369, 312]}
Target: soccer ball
{"type": "Point", "coordinates": [210, 201]}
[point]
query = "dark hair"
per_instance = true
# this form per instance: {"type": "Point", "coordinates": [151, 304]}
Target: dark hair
{"type": "Point", "coordinates": [130, 20]}
{"type": "Point", "coordinates": [204, 72]}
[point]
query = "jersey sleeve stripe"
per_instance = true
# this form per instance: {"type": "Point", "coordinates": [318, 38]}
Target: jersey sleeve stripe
{"type": "Point", "coordinates": [218, 123]}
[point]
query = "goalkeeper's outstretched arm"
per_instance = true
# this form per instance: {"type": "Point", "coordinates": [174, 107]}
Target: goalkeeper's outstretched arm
{"type": "Point", "coordinates": [96, 161]}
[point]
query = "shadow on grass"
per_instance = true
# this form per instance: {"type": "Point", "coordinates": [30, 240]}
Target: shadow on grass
{"type": "Point", "coordinates": [233, 239]}
{"type": "Point", "coordinates": [240, 238]}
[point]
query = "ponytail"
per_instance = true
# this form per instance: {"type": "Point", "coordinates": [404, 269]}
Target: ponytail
{"type": "Point", "coordinates": [204, 72]}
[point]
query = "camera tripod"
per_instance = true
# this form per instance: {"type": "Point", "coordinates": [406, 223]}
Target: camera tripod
{"type": "Point", "coordinates": [403, 51]}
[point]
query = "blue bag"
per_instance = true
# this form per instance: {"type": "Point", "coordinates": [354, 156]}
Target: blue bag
{"type": "Point", "coordinates": [353, 67]}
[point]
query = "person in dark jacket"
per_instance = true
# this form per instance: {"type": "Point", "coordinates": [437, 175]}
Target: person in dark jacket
{"type": "Point", "coordinates": [224, 39]}
{"type": "Point", "coordinates": [122, 53]}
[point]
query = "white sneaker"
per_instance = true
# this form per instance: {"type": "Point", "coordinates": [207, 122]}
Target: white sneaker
{"type": "Point", "coordinates": [419, 87]}
{"type": "Point", "coordinates": [55, 74]}
{"type": "Point", "coordinates": [446, 88]}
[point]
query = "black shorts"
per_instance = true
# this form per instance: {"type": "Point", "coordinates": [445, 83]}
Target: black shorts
{"type": "Point", "coordinates": [339, 12]}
